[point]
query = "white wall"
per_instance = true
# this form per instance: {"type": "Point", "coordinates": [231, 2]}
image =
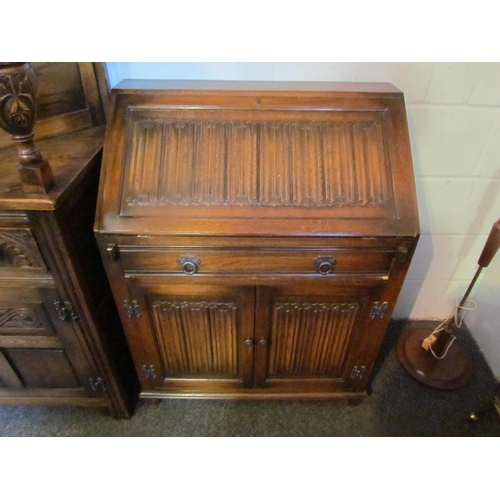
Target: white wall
{"type": "Point", "coordinates": [454, 120]}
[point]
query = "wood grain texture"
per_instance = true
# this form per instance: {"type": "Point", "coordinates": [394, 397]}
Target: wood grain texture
{"type": "Point", "coordinates": [255, 163]}
{"type": "Point", "coordinates": [60, 88]}
{"type": "Point", "coordinates": [224, 261]}
{"type": "Point", "coordinates": [48, 256]}
{"type": "Point", "coordinates": [71, 156]}
{"type": "Point", "coordinates": [70, 99]}
{"type": "Point", "coordinates": [23, 318]}
{"type": "Point", "coordinates": [8, 376]}
{"type": "Point", "coordinates": [43, 368]}
{"type": "Point", "coordinates": [18, 250]}
{"type": "Point", "coordinates": [293, 201]}
{"type": "Point", "coordinates": [197, 338]}
{"type": "Point", "coordinates": [205, 159]}
{"type": "Point", "coordinates": [310, 339]}
{"type": "Point", "coordinates": [92, 94]}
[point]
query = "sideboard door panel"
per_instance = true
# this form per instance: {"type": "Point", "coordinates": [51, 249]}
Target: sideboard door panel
{"type": "Point", "coordinates": [43, 368]}
{"type": "Point", "coordinates": [8, 377]}
{"type": "Point", "coordinates": [306, 336]}
{"type": "Point", "coordinates": [37, 341]}
{"type": "Point", "coordinates": [194, 337]}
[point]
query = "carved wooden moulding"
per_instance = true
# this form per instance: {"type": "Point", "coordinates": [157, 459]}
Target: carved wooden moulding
{"type": "Point", "coordinates": [23, 318]}
{"type": "Point", "coordinates": [18, 250]}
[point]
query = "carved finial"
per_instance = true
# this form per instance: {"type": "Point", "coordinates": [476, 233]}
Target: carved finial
{"type": "Point", "coordinates": [18, 105]}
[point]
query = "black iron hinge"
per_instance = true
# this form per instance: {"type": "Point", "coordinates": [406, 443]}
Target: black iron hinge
{"type": "Point", "coordinates": [65, 310]}
{"type": "Point", "coordinates": [379, 310]}
{"type": "Point", "coordinates": [149, 371]}
{"type": "Point", "coordinates": [358, 372]}
{"type": "Point", "coordinates": [97, 384]}
{"type": "Point", "coordinates": [132, 308]}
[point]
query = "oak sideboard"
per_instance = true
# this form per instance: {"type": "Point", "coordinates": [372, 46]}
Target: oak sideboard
{"type": "Point", "coordinates": [61, 339]}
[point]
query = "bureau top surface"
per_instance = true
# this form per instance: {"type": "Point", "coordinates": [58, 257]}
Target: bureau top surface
{"type": "Point", "coordinates": [257, 158]}
{"type": "Point", "coordinates": [252, 86]}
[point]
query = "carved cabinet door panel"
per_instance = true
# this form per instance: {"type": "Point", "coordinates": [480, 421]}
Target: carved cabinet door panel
{"type": "Point", "coordinates": [192, 337]}
{"type": "Point", "coordinates": [312, 337]}
{"type": "Point", "coordinates": [38, 346]}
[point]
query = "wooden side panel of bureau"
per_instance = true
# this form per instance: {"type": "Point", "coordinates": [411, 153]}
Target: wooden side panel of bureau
{"type": "Point", "coordinates": [256, 235]}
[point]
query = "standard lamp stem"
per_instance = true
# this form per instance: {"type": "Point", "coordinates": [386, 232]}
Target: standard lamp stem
{"type": "Point", "coordinates": [465, 297]}
{"type": "Point", "coordinates": [490, 249]}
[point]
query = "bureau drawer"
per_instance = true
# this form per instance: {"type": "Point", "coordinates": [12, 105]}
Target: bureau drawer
{"type": "Point", "coordinates": [323, 261]}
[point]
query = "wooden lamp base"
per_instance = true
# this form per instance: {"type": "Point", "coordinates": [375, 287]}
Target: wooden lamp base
{"type": "Point", "coordinates": [449, 368]}
{"type": "Point", "coordinates": [454, 370]}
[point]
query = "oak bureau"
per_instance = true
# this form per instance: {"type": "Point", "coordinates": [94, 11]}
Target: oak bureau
{"type": "Point", "coordinates": [256, 235]}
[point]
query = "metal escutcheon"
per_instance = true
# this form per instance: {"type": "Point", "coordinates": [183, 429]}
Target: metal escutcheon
{"type": "Point", "coordinates": [189, 264]}
{"type": "Point", "coordinates": [324, 264]}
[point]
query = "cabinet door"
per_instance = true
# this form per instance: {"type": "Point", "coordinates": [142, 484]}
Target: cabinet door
{"type": "Point", "coordinates": [191, 338]}
{"type": "Point", "coordinates": [310, 338]}
{"type": "Point", "coordinates": [38, 347]}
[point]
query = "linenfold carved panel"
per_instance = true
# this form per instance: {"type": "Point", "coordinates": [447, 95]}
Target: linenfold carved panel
{"type": "Point", "coordinates": [198, 337]}
{"type": "Point", "coordinates": [264, 163]}
{"type": "Point", "coordinates": [320, 334]}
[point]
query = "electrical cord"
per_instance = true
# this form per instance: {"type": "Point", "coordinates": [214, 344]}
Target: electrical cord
{"type": "Point", "coordinates": [458, 321]}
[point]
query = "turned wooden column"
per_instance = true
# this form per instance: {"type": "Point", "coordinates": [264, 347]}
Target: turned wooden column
{"type": "Point", "coordinates": [18, 106]}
